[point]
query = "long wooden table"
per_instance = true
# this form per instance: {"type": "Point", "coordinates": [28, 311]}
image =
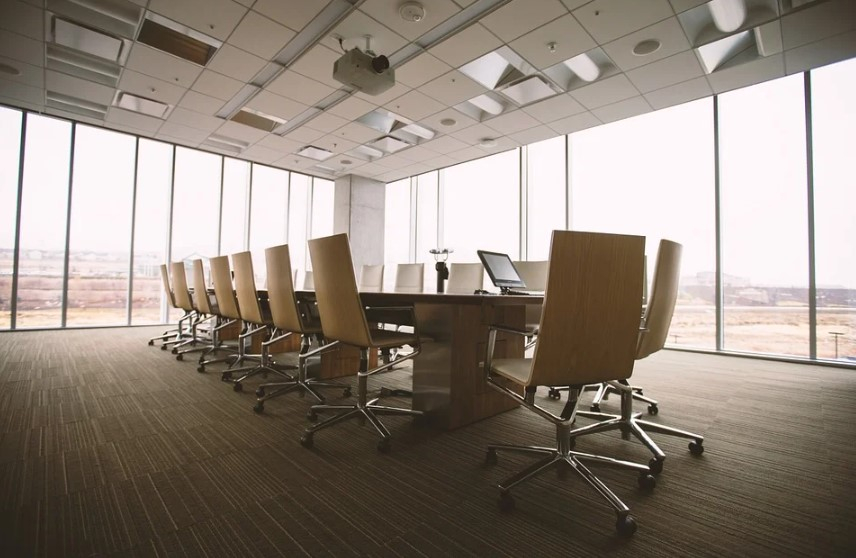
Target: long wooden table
{"type": "Point", "coordinates": [448, 381]}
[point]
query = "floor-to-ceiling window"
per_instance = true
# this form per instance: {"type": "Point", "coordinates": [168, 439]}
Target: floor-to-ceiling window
{"type": "Point", "coordinates": [427, 190]}
{"type": "Point", "coordinates": [196, 204]}
{"type": "Point", "coordinates": [235, 209]}
{"type": "Point", "coordinates": [10, 148]}
{"type": "Point", "coordinates": [653, 175]}
{"type": "Point", "coordinates": [764, 218]}
{"type": "Point", "coordinates": [833, 89]}
{"type": "Point", "coordinates": [99, 241]}
{"type": "Point", "coordinates": [546, 205]}
{"type": "Point", "coordinates": [44, 216]}
{"type": "Point", "coordinates": [298, 217]}
{"type": "Point", "coordinates": [268, 214]}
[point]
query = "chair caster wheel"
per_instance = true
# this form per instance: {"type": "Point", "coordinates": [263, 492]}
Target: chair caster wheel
{"type": "Point", "coordinates": [163, 347]}
{"type": "Point", "coordinates": [490, 457]}
{"type": "Point", "coordinates": [259, 407]}
{"type": "Point", "coordinates": [653, 409]}
{"type": "Point", "coordinates": [595, 408]}
{"type": "Point", "coordinates": [312, 415]}
{"type": "Point", "coordinates": [226, 376]}
{"type": "Point", "coordinates": [237, 387]}
{"type": "Point", "coordinates": [647, 481]}
{"type": "Point", "coordinates": [174, 351]}
{"type": "Point", "coordinates": [655, 465]}
{"type": "Point", "coordinates": [625, 526]}
{"type": "Point", "coordinates": [696, 448]}
{"type": "Point", "coordinates": [200, 369]}
{"type": "Point", "coordinates": [385, 392]}
{"type": "Point", "coordinates": [506, 502]}
{"type": "Point", "coordinates": [384, 445]}
{"type": "Point", "coordinates": [306, 441]}
{"type": "Point", "coordinates": [260, 392]}
{"type": "Point", "coordinates": [347, 392]}
{"type": "Point", "coordinates": [151, 342]}
{"type": "Point", "coordinates": [179, 357]}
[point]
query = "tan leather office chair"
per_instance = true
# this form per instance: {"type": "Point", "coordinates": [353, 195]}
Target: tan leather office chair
{"type": "Point", "coordinates": [173, 335]}
{"type": "Point", "coordinates": [343, 321]}
{"type": "Point", "coordinates": [227, 306]}
{"type": "Point", "coordinates": [588, 333]}
{"type": "Point", "coordinates": [534, 274]}
{"type": "Point", "coordinates": [289, 316]}
{"type": "Point", "coordinates": [465, 278]}
{"type": "Point", "coordinates": [184, 301]}
{"type": "Point", "coordinates": [650, 339]}
{"type": "Point", "coordinates": [211, 312]}
{"type": "Point", "coordinates": [409, 278]}
{"type": "Point", "coordinates": [371, 279]}
{"type": "Point", "coordinates": [257, 324]}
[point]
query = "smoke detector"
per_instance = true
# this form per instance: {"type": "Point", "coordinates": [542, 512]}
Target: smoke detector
{"type": "Point", "coordinates": [412, 12]}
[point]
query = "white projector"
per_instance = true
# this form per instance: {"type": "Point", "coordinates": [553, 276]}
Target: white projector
{"type": "Point", "coordinates": [369, 74]}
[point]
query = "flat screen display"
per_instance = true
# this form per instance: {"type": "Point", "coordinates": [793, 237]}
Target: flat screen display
{"type": "Point", "coordinates": [501, 270]}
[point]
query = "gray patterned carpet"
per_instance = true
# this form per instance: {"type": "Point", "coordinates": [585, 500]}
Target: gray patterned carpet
{"type": "Point", "coordinates": [111, 447]}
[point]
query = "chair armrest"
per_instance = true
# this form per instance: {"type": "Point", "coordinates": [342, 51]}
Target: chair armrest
{"type": "Point", "coordinates": [515, 330]}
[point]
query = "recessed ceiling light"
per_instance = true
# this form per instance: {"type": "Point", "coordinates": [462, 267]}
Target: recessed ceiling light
{"type": "Point", "coordinates": [646, 47]}
{"type": "Point", "coordinates": [317, 153]}
{"type": "Point", "coordinates": [448, 122]}
{"type": "Point", "coordinates": [346, 162]}
{"type": "Point", "coordinates": [11, 70]}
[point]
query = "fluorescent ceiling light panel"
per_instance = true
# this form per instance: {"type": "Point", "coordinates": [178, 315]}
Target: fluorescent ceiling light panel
{"type": "Point", "coordinates": [419, 130]}
{"type": "Point", "coordinates": [257, 119]}
{"type": "Point", "coordinates": [389, 144]}
{"type": "Point", "coordinates": [529, 90]}
{"type": "Point", "coordinates": [715, 54]}
{"type": "Point", "coordinates": [365, 152]}
{"type": "Point", "coordinates": [74, 104]}
{"type": "Point", "coordinates": [728, 15]}
{"type": "Point", "coordinates": [176, 39]}
{"type": "Point", "coordinates": [142, 105]}
{"type": "Point", "coordinates": [84, 39]}
{"type": "Point", "coordinates": [316, 153]}
{"type": "Point", "coordinates": [487, 104]}
{"type": "Point", "coordinates": [584, 67]}
{"type": "Point", "coordinates": [498, 68]}
{"type": "Point", "coordinates": [227, 141]}
{"type": "Point", "coordinates": [79, 64]}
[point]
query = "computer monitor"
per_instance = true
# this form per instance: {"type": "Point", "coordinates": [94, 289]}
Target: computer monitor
{"type": "Point", "coordinates": [501, 270]}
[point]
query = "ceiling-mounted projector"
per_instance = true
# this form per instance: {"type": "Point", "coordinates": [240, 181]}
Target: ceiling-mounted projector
{"type": "Point", "coordinates": [365, 72]}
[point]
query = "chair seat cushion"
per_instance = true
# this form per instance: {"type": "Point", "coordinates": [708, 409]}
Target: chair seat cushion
{"type": "Point", "coordinates": [383, 338]}
{"type": "Point", "coordinates": [515, 369]}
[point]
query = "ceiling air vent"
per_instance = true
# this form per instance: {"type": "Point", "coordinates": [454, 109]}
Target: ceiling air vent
{"type": "Point", "coordinates": [178, 40]}
{"type": "Point", "coordinates": [317, 153]}
{"type": "Point", "coordinates": [257, 119]}
{"type": "Point", "coordinates": [142, 105]}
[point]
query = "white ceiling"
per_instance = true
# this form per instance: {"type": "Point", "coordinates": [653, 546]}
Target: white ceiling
{"type": "Point", "coordinates": [797, 35]}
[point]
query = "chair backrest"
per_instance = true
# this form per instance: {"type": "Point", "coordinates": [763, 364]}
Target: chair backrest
{"type": "Point", "coordinates": [221, 275]}
{"type": "Point", "coordinates": [179, 286]}
{"type": "Point", "coordinates": [164, 270]}
{"type": "Point", "coordinates": [464, 278]}
{"type": "Point", "coordinates": [308, 280]}
{"type": "Point", "coordinates": [371, 278]}
{"type": "Point", "coordinates": [245, 288]}
{"type": "Point", "coordinates": [284, 310]}
{"type": "Point", "coordinates": [339, 304]}
{"type": "Point", "coordinates": [590, 320]}
{"type": "Point", "coordinates": [200, 289]}
{"type": "Point", "coordinates": [533, 273]}
{"type": "Point", "coordinates": [661, 299]}
{"type": "Point", "coordinates": [409, 278]}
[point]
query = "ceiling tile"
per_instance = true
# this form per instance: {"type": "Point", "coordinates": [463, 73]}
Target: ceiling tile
{"type": "Point", "coordinates": [294, 15]}
{"type": "Point", "coordinates": [22, 92]}
{"type": "Point", "coordinates": [518, 17]}
{"type": "Point", "coordinates": [317, 63]}
{"type": "Point", "coordinates": [234, 62]}
{"type": "Point", "coordinates": [441, 162]}
{"type": "Point", "coordinates": [678, 68]}
{"type": "Point", "coordinates": [605, 92]}
{"type": "Point", "coordinates": [22, 48]}
{"type": "Point", "coordinates": [240, 132]}
{"type": "Point", "coordinates": [80, 88]}
{"type": "Point", "coordinates": [198, 102]}
{"type": "Point", "coordinates": [818, 21]}
{"type": "Point", "coordinates": [607, 20]}
{"type": "Point", "coordinates": [684, 5]}
{"type": "Point", "coordinates": [261, 154]}
{"type": "Point", "coordinates": [452, 88]}
{"type": "Point", "coordinates": [184, 132]}
{"type": "Point", "coordinates": [326, 122]}
{"type": "Point", "coordinates": [22, 19]}
{"type": "Point", "coordinates": [680, 93]}
{"type": "Point", "coordinates": [334, 143]}
{"type": "Point", "coordinates": [554, 108]}
{"type": "Point", "coordinates": [216, 85]}
{"type": "Point", "coordinates": [279, 143]}
{"type": "Point", "coordinates": [820, 53]}
{"type": "Point", "coordinates": [672, 41]}
{"type": "Point", "coordinates": [386, 12]}
{"type": "Point", "coordinates": [299, 87]}
{"type": "Point", "coordinates": [161, 65]}
{"type": "Point", "coordinates": [142, 122]}
{"type": "Point", "coordinates": [421, 69]}
{"type": "Point", "coordinates": [274, 105]}
{"type": "Point", "coordinates": [152, 88]}
{"type": "Point", "coordinates": [34, 76]}
{"type": "Point", "coordinates": [445, 144]}
{"type": "Point", "coordinates": [466, 45]}
{"type": "Point", "coordinates": [533, 135]}
{"type": "Point", "coordinates": [352, 108]}
{"type": "Point", "coordinates": [575, 123]}
{"type": "Point", "coordinates": [417, 154]}
{"type": "Point", "coordinates": [304, 135]}
{"type": "Point", "coordinates": [762, 69]}
{"type": "Point", "coordinates": [185, 117]}
{"type": "Point", "coordinates": [384, 98]}
{"type": "Point", "coordinates": [415, 105]}
{"type": "Point", "coordinates": [353, 30]}
{"type": "Point", "coordinates": [435, 121]}
{"type": "Point", "coordinates": [622, 109]}
{"type": "Point", "coordinates": [474, 134]}
{"type": "Point", "coordinates": [357, 133]}
{"type": "Point", "coordinates": [260, 35]}
{"type": "Point", "coordinates": [565, 33]}
{"type": "Point", "coordinates": [511, 122]}
{"type": "Point", "coordinates": [216, 18]}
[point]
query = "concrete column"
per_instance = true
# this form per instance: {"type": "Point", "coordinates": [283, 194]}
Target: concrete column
{"type": "Point", "coordinates": [359, 205]}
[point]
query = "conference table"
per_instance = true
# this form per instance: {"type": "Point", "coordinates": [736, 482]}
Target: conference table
{"type": "Point", "coordinates": [448, 380]}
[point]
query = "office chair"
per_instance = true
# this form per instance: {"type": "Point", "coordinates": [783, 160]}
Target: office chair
{"type": "Point", "coordinates": [588, 333]}
{"type": "Point", "coordinates": [650, 339]}
{"type": "Point", "coordinates": [289, 316]}
{"type": "Point", "coordinates": [465, 278]}
{"type": "Point", "coordinates": [184, 301]}
{"type": "Point", "coordinates": [371, 279]}
{"type": "Point", "coordinates": [172, 335]}
{"type": "Point", "coordinates": [227, 306]}
{"type": "Point", "coordinates": [409, 278]}
{"type": "Point", "coordinates": [257, 325]}
{"type": "Point", "coordinates": [534, 274]}
{"type": "Point", "coordinates": [209, 309]}
{"type": "Point", "coordinates": [343, 321]}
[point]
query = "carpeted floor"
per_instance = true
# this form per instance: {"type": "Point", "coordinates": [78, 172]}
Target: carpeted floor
{"type": "Point", "coordinates": [111, 447]}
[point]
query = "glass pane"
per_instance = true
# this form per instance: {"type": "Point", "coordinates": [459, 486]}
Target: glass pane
{"type": "Point", "coordinates": [482, 206]}
{"type": "Point", "coordinates": [269, 214]}
{"type": "Point", "coordinates": [653, 175]}
{"type": "Point", "coordinates": [396, 228]}
{"type": "Point", "coordinates": [426, 216]}
{"type": "Point", "coordinates": [546, 199]}
{"type": "Point", "coordinates": [44, 207]}
{"type": "Point", "coordinates": [764, 218]}
{"type": "Point", "coordinates": [322, 208]}
{"type": "Point", "coordinates": [10, 147]}
{"type": "Point", "coordinates": [151, 230]}
{"type": "Point", "coordinates": [99, 251]}
{"type": "Point", "coordinates": [298, 212]}
{"type": "Point", "coordinates": [236, 189]}
{"type": "Point", "coordinates": [833, 89]}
